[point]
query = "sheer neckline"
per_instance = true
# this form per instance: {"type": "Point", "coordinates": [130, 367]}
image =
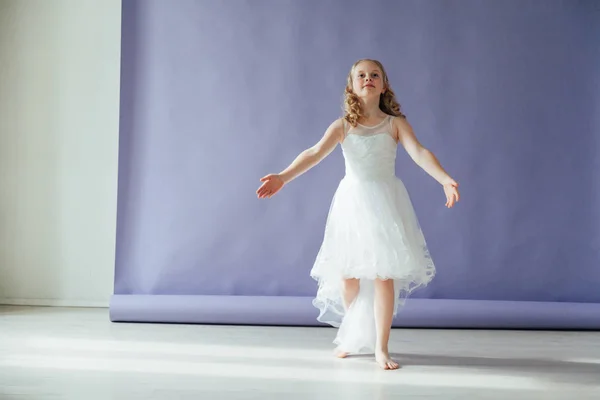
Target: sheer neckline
{"type": "Point", "coordinates": [376, 125]}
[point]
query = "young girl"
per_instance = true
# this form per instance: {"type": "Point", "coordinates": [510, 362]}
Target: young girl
{"type": "Point", "coordinates": [373, 253]}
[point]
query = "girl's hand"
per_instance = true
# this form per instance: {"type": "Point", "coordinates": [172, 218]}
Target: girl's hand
{"type": "Point", "coordinates": [272, 183]}
{"type": "Point", "coordinates": [451, 191]}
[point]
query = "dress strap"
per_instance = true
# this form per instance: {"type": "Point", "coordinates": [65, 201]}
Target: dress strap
{"type": "Point", "coordinates": [345, 128]}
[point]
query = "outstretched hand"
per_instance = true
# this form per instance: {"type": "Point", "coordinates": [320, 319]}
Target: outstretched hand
{"type": "Point", "coordinates": [451, 191]}
{"type": "Point", "coordinates": [272, 184]}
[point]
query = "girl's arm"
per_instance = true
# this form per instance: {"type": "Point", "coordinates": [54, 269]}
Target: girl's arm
{"type": "Point", "coordinates": [426, 160]}
{"type": "Point", "coordinates": [419, 154]}
{"type": "Point", "coordinates": [310, 157]}
{"type": "Point", "coordinates": [315, 154]}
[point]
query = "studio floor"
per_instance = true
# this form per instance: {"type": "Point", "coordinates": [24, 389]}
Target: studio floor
{"type": "Point", "coordinates": [77, 353]}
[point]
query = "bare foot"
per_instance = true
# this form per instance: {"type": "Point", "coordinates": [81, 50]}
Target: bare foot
{"type": "Point", "coordinates": [383, 359]}
{"type": "Point", "coordinates": [339, 353]}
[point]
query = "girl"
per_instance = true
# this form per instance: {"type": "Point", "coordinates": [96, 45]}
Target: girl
{"type": "Point", "coordinates": [373, 253]}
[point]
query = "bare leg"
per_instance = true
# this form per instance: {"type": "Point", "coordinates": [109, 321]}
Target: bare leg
{"type": "Point", "coordinates": [351, 288]}
{"type": "Point", "coordinates": [384, 312]}
{"type": "Point", "coordinates": [350, 291]}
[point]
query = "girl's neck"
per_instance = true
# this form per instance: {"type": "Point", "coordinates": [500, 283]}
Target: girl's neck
{"type": "Point", "coordinates": [370, 109]}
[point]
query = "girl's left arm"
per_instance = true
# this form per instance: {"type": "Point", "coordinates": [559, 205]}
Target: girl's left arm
{"type": "Point", "coordinates": [419, 154]}
{"type": "Point", "coordinates": [425, 159]}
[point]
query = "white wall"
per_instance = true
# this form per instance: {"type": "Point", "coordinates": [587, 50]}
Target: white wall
{"type": "Point", "coordinates": [59, 105]}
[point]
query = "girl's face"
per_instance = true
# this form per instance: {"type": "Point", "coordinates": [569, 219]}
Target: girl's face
{"type": "Point", "coordinates": [367, 80]}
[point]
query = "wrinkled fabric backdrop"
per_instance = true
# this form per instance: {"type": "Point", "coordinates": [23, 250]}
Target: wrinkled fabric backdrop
{"type": "Point", "coordinates": [216, 94]}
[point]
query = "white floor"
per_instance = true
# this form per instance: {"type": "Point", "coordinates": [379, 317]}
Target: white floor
{"type": "Point", "coordinates": [62, 353]}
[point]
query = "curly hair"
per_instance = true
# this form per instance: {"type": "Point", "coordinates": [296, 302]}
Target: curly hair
{"type": "Point", "coordinates": [387, 101]}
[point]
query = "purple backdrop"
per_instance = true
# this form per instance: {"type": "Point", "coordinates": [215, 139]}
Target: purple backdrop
{"type": "Point", "coordinates": [216, 94]}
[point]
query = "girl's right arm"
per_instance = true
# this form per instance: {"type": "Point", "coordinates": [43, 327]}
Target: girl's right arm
{"type": "Point", "coordinates": [315, 154]}
{"type": "Point", "coordinates": [310, 157]}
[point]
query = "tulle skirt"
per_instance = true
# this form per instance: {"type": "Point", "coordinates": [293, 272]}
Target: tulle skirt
{"type": "Point", "coordinates": [371, 232]}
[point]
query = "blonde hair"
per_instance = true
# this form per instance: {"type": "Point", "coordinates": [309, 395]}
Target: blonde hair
{"type": "Point", "coordinates": [387, 101]}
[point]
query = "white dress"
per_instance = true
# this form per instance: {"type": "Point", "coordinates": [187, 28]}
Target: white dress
{"type": "Point", "coordinates": [371, 232]}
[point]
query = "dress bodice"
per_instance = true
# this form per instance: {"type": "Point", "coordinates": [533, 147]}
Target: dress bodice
{"type": "Point", "coordinates": [370, 152]}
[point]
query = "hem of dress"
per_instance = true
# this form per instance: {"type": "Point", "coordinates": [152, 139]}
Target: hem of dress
{"type": "Point", "coordinates": [407, 286]}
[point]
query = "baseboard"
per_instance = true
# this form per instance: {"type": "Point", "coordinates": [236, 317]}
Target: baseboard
{"type": "Point", "coordinates": [54, 303]}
